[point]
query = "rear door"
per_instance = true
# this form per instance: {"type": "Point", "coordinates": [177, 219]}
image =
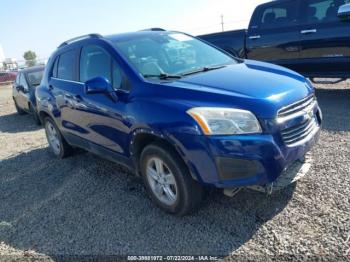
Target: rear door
{"type": "Point", "coordinates": [273, 33]}
{"type": "Point", "coordinates": [325, 39]}
{"type": "Point", "coordinates": [61, 85]}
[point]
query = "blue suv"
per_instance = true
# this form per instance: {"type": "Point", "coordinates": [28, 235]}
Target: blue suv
{"type": "Point", "coordinates": [179, 112]}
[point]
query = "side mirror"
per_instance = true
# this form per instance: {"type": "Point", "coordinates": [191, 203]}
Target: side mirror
{"type": "Point", "coordinates": [344, 11]}
{"type": "Point", "coordinates": [97, 85]}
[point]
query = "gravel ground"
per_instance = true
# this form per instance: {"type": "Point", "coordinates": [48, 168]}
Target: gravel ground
{"type": "Point", "coordinates": [84, 205]}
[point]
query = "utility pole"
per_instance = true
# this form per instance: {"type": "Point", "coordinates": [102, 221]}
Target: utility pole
{"type": "Point", "coordinates": [222, 23]}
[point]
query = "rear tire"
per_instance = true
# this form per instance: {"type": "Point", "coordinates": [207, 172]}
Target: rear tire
{"type": "Point", "coordinates": [35, 115]}
{"type": "Point", "coordinates": [168, 181]}
{"type": "Point", "coordinates": [58, 145]}
{"type": "Point", "coordinates": [18, 109]}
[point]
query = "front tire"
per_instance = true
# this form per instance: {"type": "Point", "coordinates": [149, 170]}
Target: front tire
{"type": "Point", "coordinates": [168, 181]}
{"type": "Point", "coordinates": [58, 145]}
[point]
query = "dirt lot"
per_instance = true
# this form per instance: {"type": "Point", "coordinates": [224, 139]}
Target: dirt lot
{"type": "Point", "coordinates": [84, 205]}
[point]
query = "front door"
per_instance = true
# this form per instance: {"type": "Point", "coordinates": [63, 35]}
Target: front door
{"type": "Point", "coordinates": [273, 34]}
{"type": "Point", "coordinates": [102, 115]}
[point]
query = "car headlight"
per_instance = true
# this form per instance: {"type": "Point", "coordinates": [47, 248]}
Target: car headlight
{"type": "Point", "coordinates": [225, 121]}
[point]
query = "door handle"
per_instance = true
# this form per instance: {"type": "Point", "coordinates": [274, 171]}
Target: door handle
{"type": "Point", "coordinates": [309, 31]}
{"type": "Point", "coordinates": [253, 37]}
{"type": "Point", "coordinates": [50, 87]}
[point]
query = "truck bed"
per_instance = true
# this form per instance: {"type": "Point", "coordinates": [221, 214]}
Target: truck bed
{"type": "Point", "coordinates": [230, 41]}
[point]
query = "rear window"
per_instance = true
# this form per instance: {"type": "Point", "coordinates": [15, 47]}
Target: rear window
{"type": "Point", "coordinates": [66, 66]}
{"type": "Point", "coordinates": [276, 15]}
{"type": "Point", "coordinates": [34, 78]}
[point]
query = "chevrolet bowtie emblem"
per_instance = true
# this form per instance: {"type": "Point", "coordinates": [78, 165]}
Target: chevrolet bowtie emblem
{"type": "Point", "coordinates": [309, 114]}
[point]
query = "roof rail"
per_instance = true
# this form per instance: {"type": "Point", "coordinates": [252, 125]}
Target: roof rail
{"type": "Point", "coordinates": [154, 29]}
{"type": "Point", "coordinates": [80, 38]}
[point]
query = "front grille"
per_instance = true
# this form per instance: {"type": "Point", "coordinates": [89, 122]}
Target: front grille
{"type": "Point", "coordinates": [292, 109]}
{"type": "Point", "coordinates": [299, 132]}
{"type": "Point", "coordinates": [304, 108]}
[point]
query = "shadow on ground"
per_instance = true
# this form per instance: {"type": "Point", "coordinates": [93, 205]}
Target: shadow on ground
{"type": "Point", "coordinates": [335, 105]}
{"type": "Point", "coordinates": [84, 205]}
{"type": "Point", "coordinates": [15, 123]}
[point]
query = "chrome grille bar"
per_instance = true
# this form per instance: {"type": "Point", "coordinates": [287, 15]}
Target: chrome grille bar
{"type": "Point", "coordinates": [297, 137]}
{"type": "Point", "coordinates": [298, 106]}
{"type": "Point", "coordinates": [299, 133]}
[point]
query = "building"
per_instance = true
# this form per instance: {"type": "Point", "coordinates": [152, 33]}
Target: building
{"type": "Point", "coordinates": [7, 64]}
{"type": "Point", "coordinates": [10, 64]}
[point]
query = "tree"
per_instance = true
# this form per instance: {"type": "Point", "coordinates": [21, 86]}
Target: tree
{"type": "Point", "coordinates": [30, 58]}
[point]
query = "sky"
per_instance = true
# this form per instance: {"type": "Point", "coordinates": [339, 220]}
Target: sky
{"type": "Point", "coordinates": [41, 25]}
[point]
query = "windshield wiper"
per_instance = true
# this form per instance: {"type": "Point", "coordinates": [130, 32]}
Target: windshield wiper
{"type": "Point", "coordinates": [163, 76]}
{"type": "Point", "coordinates": [203, 69]}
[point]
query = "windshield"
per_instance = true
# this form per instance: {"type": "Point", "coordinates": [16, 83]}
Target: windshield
{"type": "Point", "coordinates": [34, 78]}
{"type": "Point", "coordinates": [171, 54]}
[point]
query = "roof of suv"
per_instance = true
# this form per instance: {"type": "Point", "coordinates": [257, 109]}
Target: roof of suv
{"type": "Point", "coordinates": [115, 37]}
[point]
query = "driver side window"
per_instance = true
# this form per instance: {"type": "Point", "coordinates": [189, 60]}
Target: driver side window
{"type": "Point", "coordinates": [96, 62]}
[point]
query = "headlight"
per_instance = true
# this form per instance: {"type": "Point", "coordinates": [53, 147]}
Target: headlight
{"type": "Point", "coordinates": [225, 121]}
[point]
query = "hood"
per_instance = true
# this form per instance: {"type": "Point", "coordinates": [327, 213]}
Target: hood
{"type": "Point", "coordinates": [259, 87]}
{"type": "Point", "coordinates": [254, 80]}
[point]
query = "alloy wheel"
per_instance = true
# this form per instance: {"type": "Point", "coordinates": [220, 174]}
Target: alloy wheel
{"type": "Point", "coordinates": [162, 181]}
{"type": "Point", "coordinates": [53, 138]}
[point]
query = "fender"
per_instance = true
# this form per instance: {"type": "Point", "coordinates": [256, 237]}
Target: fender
{"type": "Point", "coordinates": [157, 135]}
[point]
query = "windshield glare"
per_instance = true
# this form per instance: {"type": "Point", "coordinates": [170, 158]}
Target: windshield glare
{"type": "Point", "coordinates": [171, 54]}
{"type": "Point", "coordinates": [34, 78]}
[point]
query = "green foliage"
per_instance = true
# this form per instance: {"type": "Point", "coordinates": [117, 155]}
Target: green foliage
{"type": "Point", "coordinates": [30, 58]}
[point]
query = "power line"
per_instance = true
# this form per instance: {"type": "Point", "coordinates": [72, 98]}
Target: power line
{"type": "Point", "coordinates": [222, 23]}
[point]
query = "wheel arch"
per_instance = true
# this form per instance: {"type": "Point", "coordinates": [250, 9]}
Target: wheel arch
{"type": "Point", "coordinates": [143, 138]}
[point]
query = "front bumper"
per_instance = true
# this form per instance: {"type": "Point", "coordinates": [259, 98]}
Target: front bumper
{"type": "Point", "coordinates": [298, 170]}
{"type": "Point", "coordinates": [240, 161]}
{"type": "Point", "coordinates": [260, 162]}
